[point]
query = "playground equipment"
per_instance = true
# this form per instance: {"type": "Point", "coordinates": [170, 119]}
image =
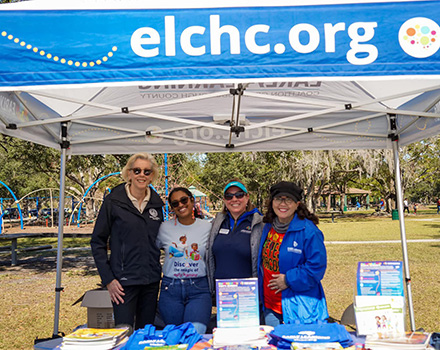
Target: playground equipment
{"type": "Point", "coordinates": [49, 212]}
{"type": "Point", "coordinates": [18, 207]}
{"type": "Point", "coordinates": [87, 191]}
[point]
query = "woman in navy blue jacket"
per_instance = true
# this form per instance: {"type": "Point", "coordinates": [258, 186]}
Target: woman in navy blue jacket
{"type": "Point", "coordinates": [292, 260]}
{"type": "Point", "coordinates": [233, 243]}
{"type": "Point", "coordinates": [128, 222]}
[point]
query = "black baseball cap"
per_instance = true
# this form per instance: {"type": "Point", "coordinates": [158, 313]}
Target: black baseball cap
{"type": "Point", "coordinates": [288, 189]}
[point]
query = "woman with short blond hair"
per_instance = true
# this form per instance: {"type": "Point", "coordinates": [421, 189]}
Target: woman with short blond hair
{"type": "Point", "coordinates": [129, 222]}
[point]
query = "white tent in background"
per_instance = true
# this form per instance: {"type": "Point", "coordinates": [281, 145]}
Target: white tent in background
{"type": "Point", "coordinates": [105, 76]}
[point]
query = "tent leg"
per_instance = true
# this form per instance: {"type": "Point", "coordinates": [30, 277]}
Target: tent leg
{"type": "Point", "coordinates": [403, 233]}
{"type": "Point", "coordinates": [58, 287]}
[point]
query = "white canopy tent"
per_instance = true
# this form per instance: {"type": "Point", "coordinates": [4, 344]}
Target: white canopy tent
{"type": "Point", "coordinates": [100, 77]}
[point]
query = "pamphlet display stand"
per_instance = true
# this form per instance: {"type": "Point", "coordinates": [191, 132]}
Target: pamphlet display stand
{"type": "Point", "coordinates": [380, 304]}
{"type": "Point", "coordinates": [238, 313]}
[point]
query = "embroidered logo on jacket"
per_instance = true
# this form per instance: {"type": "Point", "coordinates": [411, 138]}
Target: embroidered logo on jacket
{"type": "Point", "coordinates": [294, 249]}
{"type": "Point", "coordinates": [153, 214]}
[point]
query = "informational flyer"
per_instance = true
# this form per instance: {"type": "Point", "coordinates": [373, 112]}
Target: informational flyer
{"type": "Point", "coordinates": [237, 302]}
{"type": "Point", "coordinates": [380, 315]}
{"type": "Point", "coordinates": [380, 278]}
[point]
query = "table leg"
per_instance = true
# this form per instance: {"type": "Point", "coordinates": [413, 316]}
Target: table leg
{"type": "Point", "coordinates": [333, 217]}
{"type": "Point", "coordinates": [14, 252]}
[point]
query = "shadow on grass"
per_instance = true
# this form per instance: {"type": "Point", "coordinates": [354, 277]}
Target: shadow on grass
{"type": "Point", "coordinates": [432, 225]}
{"type": "Point", "coordinates": [81, 262]}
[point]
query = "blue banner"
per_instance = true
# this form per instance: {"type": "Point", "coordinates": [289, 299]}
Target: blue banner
{"type": "Point", "coordinates": [111, 46]}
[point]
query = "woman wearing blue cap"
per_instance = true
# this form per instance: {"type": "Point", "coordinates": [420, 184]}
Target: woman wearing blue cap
{"type": "Point", "coordinates": [292, 260]}
{"type": "Point", "coordinates": [232, 249]}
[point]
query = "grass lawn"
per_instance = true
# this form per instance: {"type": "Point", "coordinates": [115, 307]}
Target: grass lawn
{"type": "Point", "coordinates": [27, 290]}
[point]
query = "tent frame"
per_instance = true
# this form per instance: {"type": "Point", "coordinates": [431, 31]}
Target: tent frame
{"type": "Point", "coordinates": [393, 136]}
{"type": "Point", "coordinates": [58, 289]}
{"type": "Point", "coordinates": [234, 126]}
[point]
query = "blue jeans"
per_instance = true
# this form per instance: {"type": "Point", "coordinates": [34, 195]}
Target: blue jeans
{"type": "Point", "coordinates": [186, 300]}
{"type": "Point", "coordinates": [272, 318]}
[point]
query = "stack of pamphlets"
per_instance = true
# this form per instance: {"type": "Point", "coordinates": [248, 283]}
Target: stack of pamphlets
{"type": "Point", "coordinates": [95, 338]}
{"type": "Point", "coordinates": [167, 347]}
{"type": "Point", "coordinates": [316, 346]}
{"type": "Point", "coordinates": [407, 341]}
{"type": "Point", "coordinates": [253, 336]}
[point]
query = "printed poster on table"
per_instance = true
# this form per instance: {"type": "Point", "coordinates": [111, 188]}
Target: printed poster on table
{"type": "Point", "coordinates": [380, 315]}
{"type": "Point", "coordinates": [380, 303]}
{"type": "Point", "coordinates": [237, 302]}
{"type": "Point", "coordinates": [380, 278]}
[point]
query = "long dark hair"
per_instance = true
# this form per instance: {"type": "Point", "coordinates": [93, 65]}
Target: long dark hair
{"type": "Point", "coordinates": [191, 197]}
{"type": "Point", "coordinates": [301, 211]}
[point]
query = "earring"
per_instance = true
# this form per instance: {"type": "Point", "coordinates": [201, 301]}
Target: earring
{"type": "Point", "coordinates": [192, 215]}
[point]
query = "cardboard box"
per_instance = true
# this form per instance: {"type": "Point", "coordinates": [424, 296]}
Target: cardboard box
{"type": "Point", "coordinates": [99, 309]}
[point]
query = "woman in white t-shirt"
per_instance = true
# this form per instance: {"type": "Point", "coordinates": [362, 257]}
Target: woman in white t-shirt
{"type": "Point", "coordinates": [184, 293]}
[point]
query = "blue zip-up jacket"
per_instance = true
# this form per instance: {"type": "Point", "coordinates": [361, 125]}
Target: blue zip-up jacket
{"type": "Point", "coordinates": [303, 259]}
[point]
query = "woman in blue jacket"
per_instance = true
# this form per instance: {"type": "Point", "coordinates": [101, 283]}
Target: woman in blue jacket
{"type": "Point", "coordinates": [233, 243]}
{"type": "Point", "coordinates": [292, 260]}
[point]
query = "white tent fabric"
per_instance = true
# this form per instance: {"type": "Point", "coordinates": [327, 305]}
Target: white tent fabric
{"type": "Point", "coordinates": [106, 76]}
{"type": "Point", "coordinates": [191, 118]}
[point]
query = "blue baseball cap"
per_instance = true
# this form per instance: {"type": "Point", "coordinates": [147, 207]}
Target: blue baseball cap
{"type": "Point", "coordinates": [235, 184]}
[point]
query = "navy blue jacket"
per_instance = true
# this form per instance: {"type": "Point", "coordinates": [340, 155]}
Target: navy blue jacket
{"type": "Point", "coordinates": [303, 259]}
{"type": "Point", "coordinates": [134, 258]}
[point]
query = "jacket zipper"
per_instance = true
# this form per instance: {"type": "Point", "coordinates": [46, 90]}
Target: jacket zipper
{"type": "Point", "coordinates": [122, 256]}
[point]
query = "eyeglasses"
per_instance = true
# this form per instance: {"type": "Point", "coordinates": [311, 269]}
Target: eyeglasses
{"type": "Point", "coordinates": [183, 200]}
{"type": "Point", "coordinates": [279, 200]}
{"type": "Point", "coordinates": [228, 196]}
{"type": "Point", "coordinates": [137, 171]}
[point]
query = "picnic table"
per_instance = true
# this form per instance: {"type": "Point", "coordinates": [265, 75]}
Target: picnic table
{"type": "Point", "coordinates": [13, 237]}
{"type": "Point", "coordinates": [333, 214]}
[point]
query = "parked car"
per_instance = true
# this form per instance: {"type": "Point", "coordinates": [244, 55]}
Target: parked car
{"type": "Point", "coordinates": [33, 212]}
{"type": "Point", "coordinates": [11, 213]}
{"type": "Point", "coordinates": [48, 212]}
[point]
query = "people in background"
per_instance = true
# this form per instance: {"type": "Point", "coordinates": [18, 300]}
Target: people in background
{"type": "Point", "coordinates": [438, 205]}
{"type": "Point", "coordinates": [129, 222]}
{"type": "Point", "coordinates": [232, 250]}
{"type": "Point", "coordinates": [184, 293]}
{"type": "Point", "coordinates": [405, 205]}
{"type": "Point", "coordinates": [292, 260]}
{"type": "Point", "coordinates": [416, 206]}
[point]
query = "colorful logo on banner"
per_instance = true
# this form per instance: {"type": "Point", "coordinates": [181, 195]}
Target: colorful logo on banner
{"type": "Point", "coordinates": [419, 37]}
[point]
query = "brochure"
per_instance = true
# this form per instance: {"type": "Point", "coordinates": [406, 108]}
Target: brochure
{"type": "Point", "coordinates": [406, 341]}
{"type": "Point", "coordinates": [380, 278]}
{"type": "Point", "coordinates": [316, 346]}
{"type": "Point", "coordinates": [381, 315]}
{"type": "Point", "coordinates": [237, 303]}
{"type": "Point", "coordinates": [96, 338]}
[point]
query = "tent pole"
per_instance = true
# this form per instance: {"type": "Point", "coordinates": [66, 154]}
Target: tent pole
{"type": "Point", "coordinates": [58, 288]}
{"type": "Point", "coordinates": [403, 232]}
{"type": "Point", "coordinates": [166, 186]}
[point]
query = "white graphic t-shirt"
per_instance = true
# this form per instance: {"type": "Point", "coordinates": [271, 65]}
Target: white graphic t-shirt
{"type": "Point", "coordinates": [184, 247]}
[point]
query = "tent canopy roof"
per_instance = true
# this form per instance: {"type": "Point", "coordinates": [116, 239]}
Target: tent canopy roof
{"type": "Point", "coordinates": [209, 77]}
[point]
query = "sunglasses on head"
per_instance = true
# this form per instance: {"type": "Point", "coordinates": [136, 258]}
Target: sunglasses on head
{"type": "Point", "coordinates": [183, 200]}
{"type": "Point", "coordinates": [137, 171]}
{"type": "Point", "coordinates": [228, 196]}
